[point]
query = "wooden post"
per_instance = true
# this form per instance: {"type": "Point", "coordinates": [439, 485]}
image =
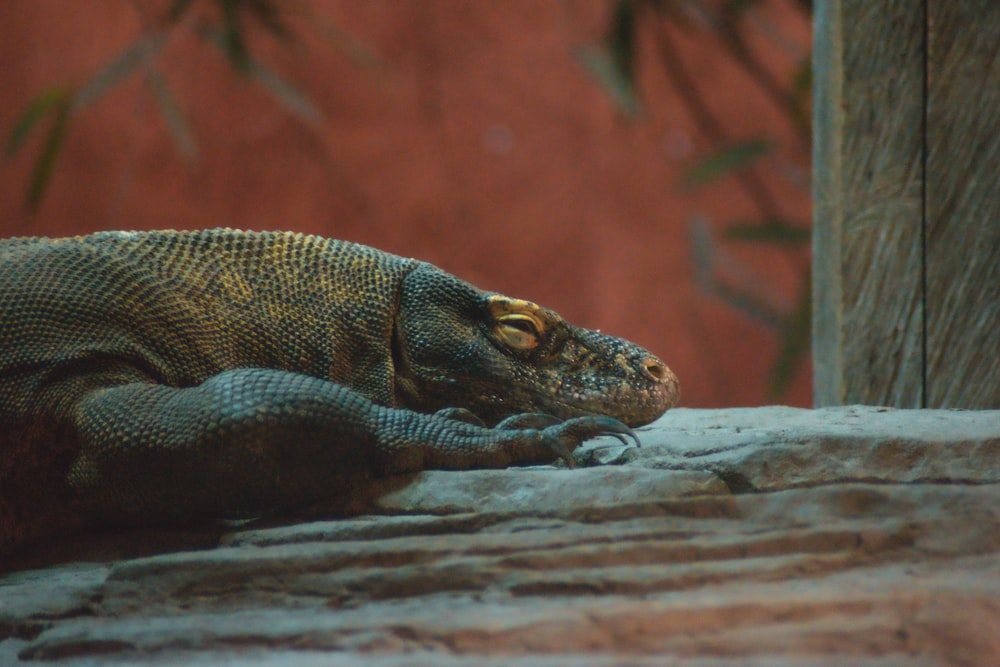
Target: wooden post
{"type": "Point", "coordinates": [963, 204]}
{"type": "Point", "coordinates": [906, 272]}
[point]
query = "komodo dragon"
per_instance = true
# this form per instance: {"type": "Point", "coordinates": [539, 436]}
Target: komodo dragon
{"type": "Point", "coordinates": [162, 376]}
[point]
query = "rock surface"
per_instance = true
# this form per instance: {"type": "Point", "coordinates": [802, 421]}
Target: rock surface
{"type": "Point", "coordinates": [766, 536]}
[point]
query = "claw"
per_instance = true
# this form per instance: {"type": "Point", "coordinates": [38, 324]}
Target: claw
{"type": "Point", "coordinates": [622, 439]}
{"type": "Point", "coordinates": [559, 448]}
{"type": "Point", "coordinates": [535, 420]}
{"type": "Point", "coordinates": [567, 435]}
{"type": "Point", "coordinates": [591, 426]}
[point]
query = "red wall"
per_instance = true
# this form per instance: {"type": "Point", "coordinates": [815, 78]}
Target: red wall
{"type": "Point", "coordinates": [475, 141]}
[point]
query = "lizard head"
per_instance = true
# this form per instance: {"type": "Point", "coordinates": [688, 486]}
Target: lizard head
{"type": "Point", "coordinates": [457, 346]}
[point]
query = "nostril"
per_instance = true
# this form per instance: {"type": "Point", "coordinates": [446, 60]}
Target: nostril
{"type": "Point", "coordinates": [655, 368]}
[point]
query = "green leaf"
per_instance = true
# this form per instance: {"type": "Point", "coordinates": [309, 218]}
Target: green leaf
{"type": "Point", "coordinates": [52, 99]}
{"type": "Point", "coordinates": [775, 230]}
{"type": "Point", "coordinates": [735, 8]}
{"type": "Point", "coordinates": [613, 65]}
{"type": "Point", "coordinates": [118, 69]}
{"type": "Point", "coordinates": [737, 294]}
{"type": "Point", "coordinates": [178, 8]}
{"type": "Point", "coordinates": [802, 81]}
{"type": "Point", "coordinates": [297, 102]}
{"type": "Point", "coordinates": [359, 52]}
{"type": "Point", "coordinates": [268, 14]}
{"type": "Point", "coordinates": [801, 94]}
{"type": "Point", "coordinates": [729, 159]}
{"type": "Point", "coordinates": [354, 48]}
{"type": "Point", "coordinates": [621, 41]}
{"type": "Point", "coordinates": [171, 111]}
{"type": "Point", "coordinates": [795, 341]}
{"type": "Point", "coordinates": [673, 11]}
{"type": "Point", "coordinates": [42, 172]}
{"type": "Point", "coordinates": [233, 41]}
{"type": "Point", "coordinates": [608, 76]}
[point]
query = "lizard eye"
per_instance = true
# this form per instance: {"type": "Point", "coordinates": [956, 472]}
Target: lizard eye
{"type": "Point", "coordinates": [519, 331]}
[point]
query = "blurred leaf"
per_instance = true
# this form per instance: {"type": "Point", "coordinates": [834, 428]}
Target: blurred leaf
{"type": "Point", "coordinates": [605, 72]}
{"type": "Point", "coordinates": [795, 341]}
{"type": "Point", "coordinates": [42, 173]}
{"type": "Point", "coordinates": [621, 41]}
{"type": "Point", "coordinates": [355, 49]}
{"type": "Point", "coordinates": [802, 82]}
{"type": "Point", "coordinates": [735, 8]}
{"type": "Point", "coordinates": [232, 40]}
{"type": "Point", "coordinates": [297, 102]}
{"type": "Point", "coordinates": [673, 10]}
{"type": "Point", "coordinates": [118, 68]}
{"type": "Point", "coordinates": [738, 294]}
{"type": "Point", "coordinates": [613, 66]}
{"type": "Point", "coordinates": [775, 231]}
{"type": "Point", "coordinates": [290, 97]}
{"type": "Point", "coordinates": [729, 159]}
{"type": "Point", "coordinates": [178, 8]}
{"type": "Point", "coordinates": [52, 99]}
{"type": "Point", "coordinates": [270, 17]}
{"type": "Point", "coordinates": [801, 93]}
{"type": "Point", "coordinates": [180, 131]}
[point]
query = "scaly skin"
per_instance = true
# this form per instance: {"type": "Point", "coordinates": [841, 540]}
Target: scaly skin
{"type": "Point", "coordinates": [163, 376]}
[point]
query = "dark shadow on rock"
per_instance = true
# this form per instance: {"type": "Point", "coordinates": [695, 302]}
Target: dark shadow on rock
{"type": "Point", "coordinates": [108, 544]}
{"type": "Point", "coordinates": [125, 542]}
{"type": "Point", "coordinates": [736, 481]}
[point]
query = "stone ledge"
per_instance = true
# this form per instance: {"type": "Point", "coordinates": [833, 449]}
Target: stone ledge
{"type": "Point", "coordinates": [758, 536]}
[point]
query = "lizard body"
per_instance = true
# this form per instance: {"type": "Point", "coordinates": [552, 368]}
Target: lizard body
{"type": "Point", "coordinates": [162, 376]}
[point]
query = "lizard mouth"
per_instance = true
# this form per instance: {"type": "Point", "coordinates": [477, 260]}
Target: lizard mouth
{"type": "Point", "coordinates": [622, 401]}
{"type": "Point", "coordinates": [635, 407]}
{"type": "Point", "coordinates": [649, 389]}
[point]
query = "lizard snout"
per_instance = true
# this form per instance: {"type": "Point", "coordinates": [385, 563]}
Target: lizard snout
{"type": "Point", "coordinates": [668, 386]}
{"type": "Point", "coordinates": [656, 369]}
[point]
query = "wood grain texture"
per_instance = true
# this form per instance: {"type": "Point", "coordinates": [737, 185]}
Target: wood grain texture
{"type": "Point", "coordinates": [963, 204]}
{"type": "Point", "coordinates": [868, 202]}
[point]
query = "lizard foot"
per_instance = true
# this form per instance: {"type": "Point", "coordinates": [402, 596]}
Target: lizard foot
{"type": "Point", "coordinates": [535, 420]}
{"type": "Point", "coordinates": [460, 415]}
{"type": "Point", "coordinates": [564, 437]}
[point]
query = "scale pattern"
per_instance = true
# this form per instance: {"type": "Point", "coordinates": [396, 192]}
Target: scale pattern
{"type": "Point", "coordinates": [163, 376]}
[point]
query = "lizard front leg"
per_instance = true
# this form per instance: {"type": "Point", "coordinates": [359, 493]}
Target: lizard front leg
{"type": "Point", "coordinates": [253, 440]}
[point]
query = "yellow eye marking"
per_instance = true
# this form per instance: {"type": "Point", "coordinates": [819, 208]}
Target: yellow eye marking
{"type": "Point", "coordinates": [517, 323]}
{"type": "Point", "coordinates": [518, 331]}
